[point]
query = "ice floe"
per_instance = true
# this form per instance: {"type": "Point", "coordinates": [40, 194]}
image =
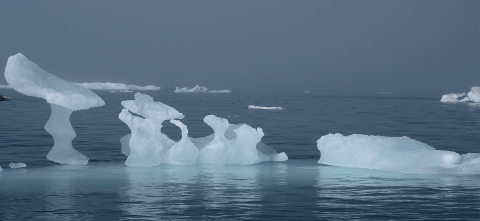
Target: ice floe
{"type": "Point", "coordinates": [64, 97]}
{"type": "Point", "coordinates": [17, 165]}
{"type": "Point", "coordinates": [199, 89]}
{"type": "Point", "coordinates": [147, 146]}
{"type": "Point", "coordinates": [117, 86]}
{"type": "Point", "coordinates": [5, 87]}
{"type": "Point", "coordinates": [472, 96]}
{"type": "Point", "coordinates": [196, 89]}
{"type": "Point", "coordinates": [264, 108]}
{"type": "Point", "coordinates": [400, 154]}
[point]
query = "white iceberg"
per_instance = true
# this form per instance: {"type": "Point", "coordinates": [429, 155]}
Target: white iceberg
{"type": "Point", "coordinates": [472, 96]}
{"type": "Point", "coordinates": [196, 89]}
{"type": "Point", "coordinates": [64, 97]}
{"type": "Point", "coordinates": [117, 86]}
{"type": "Point", "coordinates": [220, 91]}
{"type": "Point", "coordinates": [17, 165]}
{"type": "Point", "coordinates": [452, 97]}
{"type": "Point", "coordinates": [234, 144]}
{"type": "Point", "coordinates": [400, 154]}
{"type": "Point", "coordinates": [264, 108]}
{"type": "Point", "coordinates": [184, 152]}
{"type": "Point", "coordinates": [146, 146]}
{"type": "Point", "coordinates": [5, 87]}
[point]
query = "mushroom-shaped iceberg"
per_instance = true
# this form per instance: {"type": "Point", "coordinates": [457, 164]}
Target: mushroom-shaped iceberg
{"type": "Point", "coordinates": [64, 97]}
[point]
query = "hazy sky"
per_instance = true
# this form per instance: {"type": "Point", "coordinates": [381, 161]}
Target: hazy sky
{"type": "Point", "coordinates": [431, 46]}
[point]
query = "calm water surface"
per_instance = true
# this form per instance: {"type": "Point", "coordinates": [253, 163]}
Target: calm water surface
{"type": "Point", "coordinates": [298, 189]}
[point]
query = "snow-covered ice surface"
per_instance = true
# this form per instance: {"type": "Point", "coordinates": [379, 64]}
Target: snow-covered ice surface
{"type": "Point", "coordinates": [400, 154]}
{"type": "Point", "coordinates": [264, 108]}
{"type": "Point", "coordinates": [17, 165]}
{"type": "Point", "coordinates": [64, 97]}
{"type": "Point", "coordinates": [196, 89]}
{"type": "Point", "coordinates": [116, 86]}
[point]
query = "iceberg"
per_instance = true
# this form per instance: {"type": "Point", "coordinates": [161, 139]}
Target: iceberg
{"type": "Point", "coordinates": [220, 91]}
{"type": "Point", "coordinates": [196, 89]}
{"type": "Point", "coordinates": [147, 146]}
{"type": "Point", "coordinates": [64, 97]}
{"type": "Point", "coordinates": [184, 152]}
{"type": "Point", "coordinates": [5, 87]}
{"type": "Point", "coordinates": [400, 154]}
{"type": "Point", "coordinates": [234, 144]}
{"type": "Point", "coordinates": [264, 108]}
{"type": "Point", "coordinates": [472, 96]}
{"type": "Point", "coordinates": [117, 86]}
{"type": "Point", "coordinates": [17, 165]}
{"type": "Point", "coordinates": [452, 97]}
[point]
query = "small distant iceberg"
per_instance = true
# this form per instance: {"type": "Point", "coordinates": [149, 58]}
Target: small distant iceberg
{"type": "Point", "coordinates": [196, 89]}
{"type": "Point", "coordinates": [199, 89]}
{"type": "Point", "coordinates": [117, 86]}
{"type": "Point", "coordinates": [264, 108]}
{"type": "Point", "coordinates": [307, 91]}
{"type": "Point", "coordinates": [17, 165]}
{"type": "Point", "coordinates": [384, 92]}
{"type": "Point", "coordinates": [5, 87]}
{"type": "Point", "coordinates": [400, 154]}
{"type": "Point", "coordinates": [472, 96]}
{"type": "Point", "coordinates": [220, 91]}
{"type": "Point", "coordinates": [123, 91]}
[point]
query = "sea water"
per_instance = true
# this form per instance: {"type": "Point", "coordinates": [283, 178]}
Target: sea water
{"type": "Point", "coordinates": [298, 189]}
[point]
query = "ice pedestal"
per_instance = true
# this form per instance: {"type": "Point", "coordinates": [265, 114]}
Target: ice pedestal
{"type": "Point", "coordinates": [59, 126]}
{"type": "Point", "coordinates": [64, 97]}
{"type": "Point", "coordinates": [184, 152]}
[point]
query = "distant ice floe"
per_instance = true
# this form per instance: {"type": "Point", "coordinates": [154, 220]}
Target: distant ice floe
{"type": "Point", "coordinates": [472, 96]}
{"type": "Point", "coordinates": [117, 86]}
{"type": "Point", "coordinates": [147, 146]}
{"type": "Point", "coordinates": [264, 108]}
{"type": "Point", "coordinates": [400, 154]}
{"type": "Point", "coordinates": [199, 89]}
{"type": "Point", "coordinates": [5, 87]}
{"type": "Point", "coordinates": [123, 91]}
{"type": "Point", "coordinates": [17, 165]}
{"type": "Point", "coordinates": [307, 91]}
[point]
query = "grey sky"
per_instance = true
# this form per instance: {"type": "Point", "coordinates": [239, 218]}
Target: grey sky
{"type": "Point", "coordinates": [431, 46]}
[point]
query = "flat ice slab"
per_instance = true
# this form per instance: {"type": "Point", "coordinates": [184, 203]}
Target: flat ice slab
{"type": "Point", "coordinates": [117, 86]}
{"type": "Point", "coordinates": [400, 154]}
{"type": "Point", "coordinates": [264, 108]}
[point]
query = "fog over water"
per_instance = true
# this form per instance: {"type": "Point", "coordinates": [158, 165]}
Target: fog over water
{"type": "Point", "coordinates": [259, 46]}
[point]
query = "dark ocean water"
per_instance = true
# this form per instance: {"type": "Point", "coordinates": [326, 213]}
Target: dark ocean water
{"type": "Point", "coordinates": [298, 189]}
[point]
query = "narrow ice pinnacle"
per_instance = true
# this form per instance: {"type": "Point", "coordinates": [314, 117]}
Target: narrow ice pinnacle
{"type": "Point", "coordinates": [64, 97]}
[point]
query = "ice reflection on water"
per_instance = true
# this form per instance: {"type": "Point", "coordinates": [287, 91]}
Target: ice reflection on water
{"type": "Point", "coordinates": [294, 190]}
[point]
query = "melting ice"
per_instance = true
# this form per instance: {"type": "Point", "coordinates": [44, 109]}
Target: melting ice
{"type": "Point", "coordinates": [116, 86]}
{"type": "Point", "coordinates": [147, 146]}
{"type": "Point", "coordinates": [64, 97]}
{"type": "Point", "coordinates": [472, 96]}
{"type": "Point", "coordinates": [400, 154]}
